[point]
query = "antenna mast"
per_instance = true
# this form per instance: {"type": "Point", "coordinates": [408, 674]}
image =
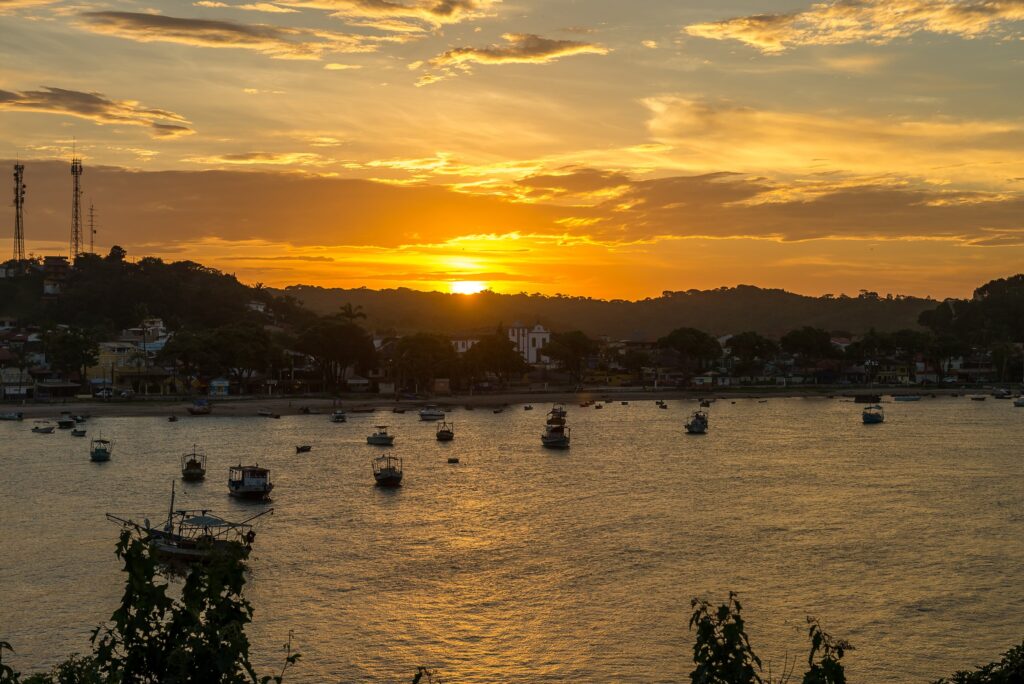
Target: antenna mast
{"type": "Point", "coordinates": [92, 229]}
{"type": "Point", "coordinates": [19, 212]}
{"type": "Point", "coordinates": [76, 207]}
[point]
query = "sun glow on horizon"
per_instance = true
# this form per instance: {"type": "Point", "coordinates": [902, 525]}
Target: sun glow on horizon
{"type": "Point", "coordinates": [467, 287]}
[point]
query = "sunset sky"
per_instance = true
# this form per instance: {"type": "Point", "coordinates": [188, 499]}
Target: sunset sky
{"type": "Point", "coordinates": [599, 147]}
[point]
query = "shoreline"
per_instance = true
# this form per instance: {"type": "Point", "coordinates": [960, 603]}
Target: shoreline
{"type": "Point", "coordinates": [249, 406]}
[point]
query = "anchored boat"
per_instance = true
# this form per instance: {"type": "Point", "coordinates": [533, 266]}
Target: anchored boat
{"type": "Point", "coordinates": [872, 415]}
{"type": "Point", "coordinates": [387, 471]}
{"type": "Point", "coordinates": [380, 437]}
{"type": "Point", "coordinates": [193, 465]}
{"type": "Point", "coordinates": [14, 415]}
{"type": "Point", "coordinates": [100, 449]}
{"type": "Point", "coordinates": [445, 432]}
{"type": "Point", "coordinates": [195, 535]}
{"type": "Point", "coordinates": [431, 412]}
{"type": "Point", "coordinates": [338, 416]}
{"type": "Point", "coordinates": [249, 482]}
{"type": "Point", "coordinates": [43, 427]}
{"type": "Point", "coordinates": [698, 423]}
{"type": "Point", "coordinates": [200, 407]}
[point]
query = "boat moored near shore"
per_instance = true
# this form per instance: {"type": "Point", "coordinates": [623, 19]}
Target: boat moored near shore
{"type": "Point", "coordinates": [100, 449]}
{"type": "Point", "coordinates": [193, 465]}
{"type": "Point", "coordinates": [387, 471]}
{"type": "Point", "coordinates": [249, 482]}
{"type": "Point", "coordinates": [380, 437]}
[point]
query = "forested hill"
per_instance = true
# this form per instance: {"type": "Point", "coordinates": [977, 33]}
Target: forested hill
{"type": "Point", "coordinates": [721, 311]}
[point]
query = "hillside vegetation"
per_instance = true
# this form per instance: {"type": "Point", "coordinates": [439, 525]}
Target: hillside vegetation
{"type": "Point", "coordinates": [721, 311]}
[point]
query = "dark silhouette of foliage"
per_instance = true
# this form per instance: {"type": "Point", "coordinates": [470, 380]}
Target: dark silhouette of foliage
{"type": "Point", "coordinates": [721, 651]}
{"type": "Point", "coordinates": [1008, 670]}
{"type": "Point", "coordinates": [811, 344]}
{"type": "Point", "coordinates": [823, 660]}
{"type": "Point", "coordinates": [696, 348]}
{"type": "Point", "coordinates": [570, 351]}
{"type": "Point", "coordinates": [495, 354]}
{"type": "Point", "coordinates": [71, 349]}
{"type": "Point", "coordinates": [721, 311]}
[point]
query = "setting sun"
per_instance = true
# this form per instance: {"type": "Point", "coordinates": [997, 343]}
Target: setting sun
{"type": "Point", "coordinates": [468, 286]}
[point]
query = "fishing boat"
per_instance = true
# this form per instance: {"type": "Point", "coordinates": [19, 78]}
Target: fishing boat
{"type": "Point", "coordinates": [498, 410]}
{"type": "Point", "coordinates": [266, 413]}
{"type": "Point", "coordinates": [431, 412]}
{"type": "Point", "coordinates": [78, 432]}
{"type": "Point", "coordinates": [338, 416]}
{"type": "Point", "coordinates": [698, 423]}
{"type": "Point", "coordinates": [528, 407]}
{"type": "Point", "coordinates": [978, 397]}
{"type": "Point", "coordinates": [1002, 394]}
{"type": "Point", "coordinates": [387, 471]}
{"type": "Point", "coordinates": [13, 415]}
{"type": "Point", "coordinates": [303, 448]}
{"type": "Point", "coordinates": [398, 410]}
{"type": "Point", "coordinates": [193, 465]}
{"type": "Point", "coordinates": [66, 421]}
{"type": "Point", "coordinates": [453, 459]}
{"type": "Point", "coordinates": [663, 405]}
{"type": "Point", "coordinates": [81, 418]}
{"type": "Point", "coordinates": [555, 437]}
{"type": "Point", "coordinates": [872, 415]}
{"type": "Point", "coordinates": [445, 432]}
{"type": "Point", "coordinates": [43, 427]}
{"type": "Point", "coordinates": [557, 414]}
{"type": "Point", "coordinates": [200, 407]}
{"type": "Point", "coordinates": [599, 406]}
{"type": "Point", "coordinates": [906, 397]}
{"type": "Point", "coordinates": [249, 482]}
{"type": "Point", "coordinates": [100, 449]}
{"type": "Point", "coordinates": [380, 437]}
{"type": "Point", "coordinates": [195, 535]}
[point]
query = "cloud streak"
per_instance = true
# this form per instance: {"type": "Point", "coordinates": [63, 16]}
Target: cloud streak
{"type": "Point", "coordinates": [400, 16]}
{"type": "Point", "coordinates": [870, 21]}
{"type": "Point", "coordinates": [274, 41]}
{"type": "Point", "coordinates": [95, 107]}
{"type": "Point", "coordinates": [520, 48]}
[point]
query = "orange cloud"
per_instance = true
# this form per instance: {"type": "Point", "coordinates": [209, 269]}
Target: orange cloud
{"type": "Point", "coordinates": [871, 21]}
{"type": "Point", "coordinates": [275, 41]}
{"type": "Point", "coordinates": [521, 48]}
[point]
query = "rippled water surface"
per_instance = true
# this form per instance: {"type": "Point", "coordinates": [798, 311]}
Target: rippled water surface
{"type": "Point", "coordinates": [522, 564]}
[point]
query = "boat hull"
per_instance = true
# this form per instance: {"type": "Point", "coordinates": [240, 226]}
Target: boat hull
{"type": "Point", "coordinates": [696, 429]}
{"type": "Point", "coordinates": [873, 419]}
{"type": "Point", "coordinates": [99, 456]}
{"type": "Point", "coordinates": [388, 480]}
{"type": "Point", "coordinates": [445, 436]}
{"type": "Point", "coordinates": [555, 442]}
{"type": "Point", "coordinates": [380, 441]}
{"type": "Point", "coordinates": [252, 494]}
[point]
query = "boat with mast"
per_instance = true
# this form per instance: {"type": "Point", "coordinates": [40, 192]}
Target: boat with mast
{"type": "Point", "coordinates": [100, 449]}
{"type": "Point", "coordinates": [445, 432]}
{"type": "Point", "coordinates": [387, 471]}
{"type": "Point", "coordinates": [556, 435]}
{"type": "Point", "coordinates": [195, 535]}
{"type": "Point", "coordinates": [193, 465]}
{"type": "Point", "coordinates": [873, 415]}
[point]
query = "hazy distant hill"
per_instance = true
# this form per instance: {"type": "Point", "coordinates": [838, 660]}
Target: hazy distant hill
{"type": "Point", "coordinates": [721, 311]}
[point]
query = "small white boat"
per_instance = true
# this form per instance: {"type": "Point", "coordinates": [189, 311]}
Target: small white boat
{"type": "Point", "coordinates": [380, 437]}
{"type": "Point", "coordinates": [1019, 402]}
{"type": "Point", "coordinates": [43, 427]}
{"type": "Point", "coordinates": [698, 423]}
{"type": "Point", "coordinates": [200, 407]}
{"type": "Point", "coordinates": [431, 412]}
{"type": "Point", "coordinates": [387, 471]}
{"type": "Point", "coordinates": [445, 432]}
{"type": "Point", "coordinates": [906, 397]}
{"type": "Point", "coordinates": [249, 482]}
{"type": "Point", "coordinates": [338, 416]}
{"type": "Point", "coordinates": [66, 421]}
{"type": "Point", "coordinates": [528, 407]}
{"type": "Point", "coordinates": [14, 415]}
{"type": "Point", "coordinates": [78, 432]}
{"type": "Point", "coordinates": [267, 413]}
{"type": "Point", "coordinates": [100, 450]}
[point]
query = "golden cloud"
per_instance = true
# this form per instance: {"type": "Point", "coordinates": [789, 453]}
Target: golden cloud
{"type": "Point", "coordinates": [871, 21]}
{"type": "Point", "coordinates": [400, 16]}
{"type": "Point", "coordinates": [97, 108]}
{"type": "Point", "coordinates": [713, 135]}
{"type": "Point", "coordinates": [521, 48]}
{"type": "Point", "coordinates": [275, 41]}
